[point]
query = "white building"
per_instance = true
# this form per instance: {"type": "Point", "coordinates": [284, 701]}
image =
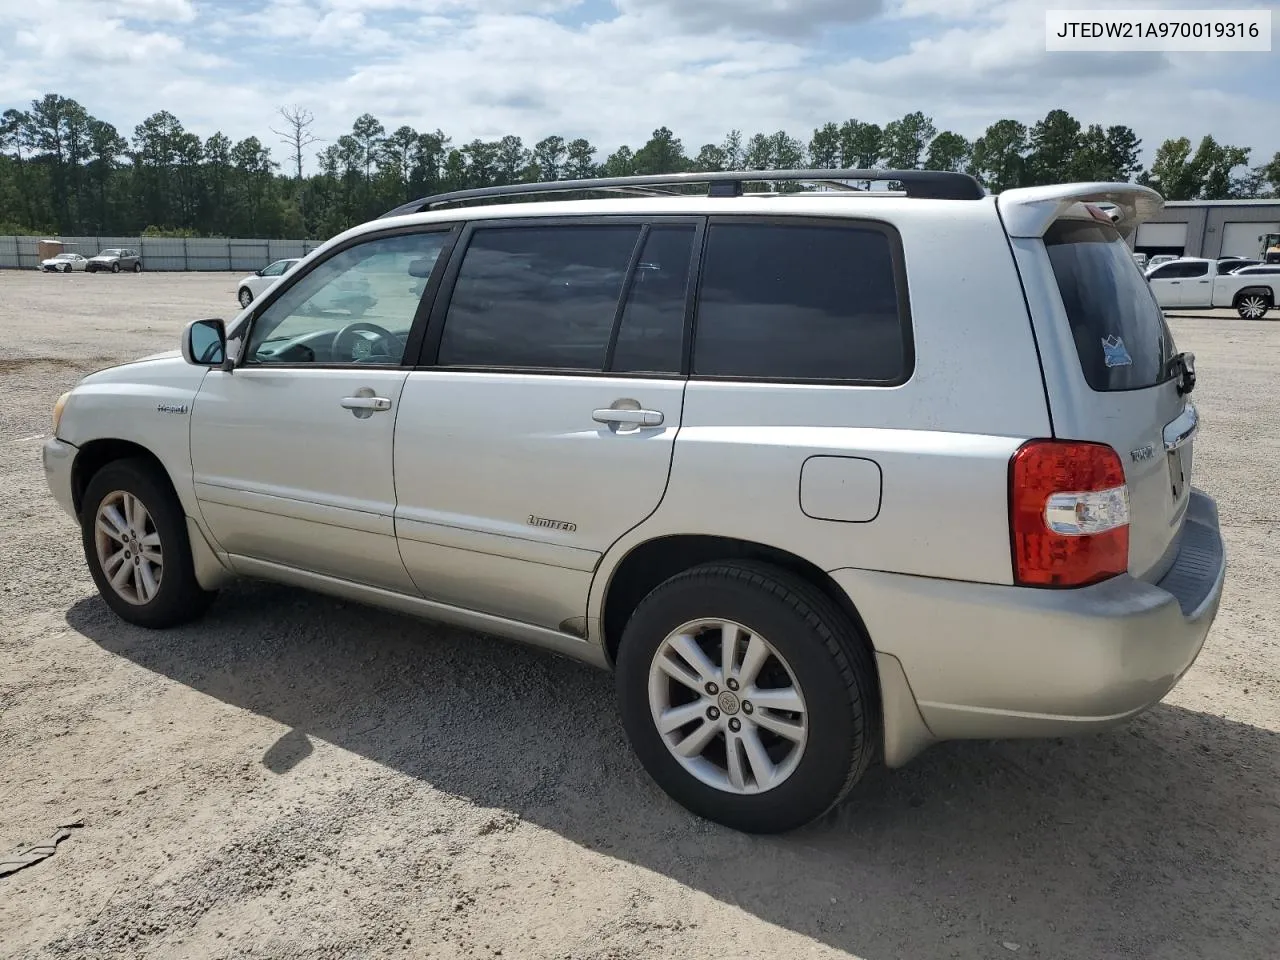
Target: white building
{"type": "Point", "coordinates": [1209, 228]}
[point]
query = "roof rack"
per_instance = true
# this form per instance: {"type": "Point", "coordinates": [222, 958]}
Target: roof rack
{"type": "Point", "coordinates": [925, 184]}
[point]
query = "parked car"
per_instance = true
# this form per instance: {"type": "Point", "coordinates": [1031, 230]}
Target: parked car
{"type": "Point", "coordinates": [1232, 264]}
{"type": "Point", "coordinates": [1141, 260]}
{"type": "Point", "coordinates": [116, 259]}
{"type": "Point", "coordinates": [63, 263]}
{"type": "Point", "coordinates": [1160, 258]}
{"type": "Point", "coordinates": [1196, 283]}
{"type": "Point", "coordinates": [810, 515]}
{"type": "Point", "coordinates": [256, 284]}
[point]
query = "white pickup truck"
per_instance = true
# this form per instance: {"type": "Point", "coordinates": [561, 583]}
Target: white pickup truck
{"type": "Point", "coordinates": [1194, 282]}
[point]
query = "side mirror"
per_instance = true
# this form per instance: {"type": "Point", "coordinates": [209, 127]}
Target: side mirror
{"type": "Point", "coordinates": [204, 343]}
{"type": "Point", "coordinates": [258, 272]}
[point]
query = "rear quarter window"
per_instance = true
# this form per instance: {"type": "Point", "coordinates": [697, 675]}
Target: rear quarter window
{"type": "Point", "coordinates": [1121, 337]}
{"type": "Point", "coordinates": [802, 301]}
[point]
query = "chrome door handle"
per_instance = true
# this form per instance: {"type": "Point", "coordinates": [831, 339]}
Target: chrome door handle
{"type": "Point", "coordinates": [639, 418]}
{"type": "Point", "coordinates": [366, 403]}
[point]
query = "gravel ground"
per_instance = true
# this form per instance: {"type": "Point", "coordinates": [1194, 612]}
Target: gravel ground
{"type": "Point", "coordinates": [296, 777]}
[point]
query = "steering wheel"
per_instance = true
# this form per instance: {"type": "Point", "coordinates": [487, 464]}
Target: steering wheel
{"type": "Point", "coordinates": [345, 342]}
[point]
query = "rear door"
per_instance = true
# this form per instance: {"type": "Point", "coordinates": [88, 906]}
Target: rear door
{"type": "Point", "coordinates": [1107, 354]}
{"type": "Point", "coordinates": [540, 427]}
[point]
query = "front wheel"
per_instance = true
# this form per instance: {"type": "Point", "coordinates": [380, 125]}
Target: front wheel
{"type": "Point", "coordinates": [1253, 306]}
{"type": "Point", "coordinates": [115, 268]}
{"type": "Point", "coordinates": [67, 268]}
{"type": "Point", "coordinates": [245, 297]}
{"type": "Point", "coordinates": [748, 695]}
{"type": "Point", "coordinates": [135, 542]}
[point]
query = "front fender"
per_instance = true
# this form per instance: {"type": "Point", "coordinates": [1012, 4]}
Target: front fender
{"type": "Point", "coordinates": [148, 403]}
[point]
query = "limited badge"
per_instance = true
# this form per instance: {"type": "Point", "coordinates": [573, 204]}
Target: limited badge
{"type": "Point", "coordinates": [1114, 353]}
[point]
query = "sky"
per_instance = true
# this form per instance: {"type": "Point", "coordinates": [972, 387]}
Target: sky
{"type": "Point", "coordinates": [614, 70]}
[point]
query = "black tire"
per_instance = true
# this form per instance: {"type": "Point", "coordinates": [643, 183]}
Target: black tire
{"type": "Point", "coordinates": [67, 268]}
{"type": "Point", "coordinates": [831, 663]}
{"type": "Point", "coordinates": [1253, 306]}
{"type": "Point", "coordinates": [137, 267]}
{"type": "Point", "coordinates": [245, 296]}
{"type": "Point", "coordinates": [180, 598]}
{"type": "Point", "coordinates": [115, 267]}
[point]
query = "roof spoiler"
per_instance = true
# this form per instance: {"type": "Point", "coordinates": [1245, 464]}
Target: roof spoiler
{"type": "Point", "coordinates": [1030, 211]}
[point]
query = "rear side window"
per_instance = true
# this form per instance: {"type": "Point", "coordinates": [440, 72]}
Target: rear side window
{"type": "Point", "coordinates": [651, 334]}
{"type": "Point", "coordinates": [537, 297]}
{"type": "Point", "coordinates": [801, 302]}
{"type": "Point", "coordinates": [1121, 336]}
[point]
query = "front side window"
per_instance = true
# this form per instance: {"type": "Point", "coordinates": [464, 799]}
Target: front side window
{"type": "Point", "coordinates": [355, 307]}
{"type": "Point", "coordinates": [801, 302]}
{"type": "Point", "coordinates": [540, 297]}
{"type": "Point", "coordinates": [1121, 337]}
{"type": "Point", "coordinates": [275, 269]}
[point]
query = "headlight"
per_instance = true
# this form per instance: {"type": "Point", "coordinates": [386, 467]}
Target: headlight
{"type": "Point", "coordinates": [57, 410]}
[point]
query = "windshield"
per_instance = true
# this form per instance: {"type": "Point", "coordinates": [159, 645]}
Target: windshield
{"type": "Point", "coordinates": [1121, 336]}
{"type": "Point", "coordinates": [110, 253]}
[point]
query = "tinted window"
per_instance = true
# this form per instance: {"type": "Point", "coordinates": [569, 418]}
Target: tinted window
{"type": "Point", "coordinates": [800, 302]}
{"type": "Point", "coordinates": [651, 337]}
{"type": "Point", "coordinates": [373, 287]}
{"type": "Point", "coordinates": [1253, 271]}
{"type": "Point", "coordinates": [1195, 269]}
{"type": "Point", "coordinates": [1121, 337]}
{"type": "Point", "coordinates": [1170, 271]}
{"type": "Point", "coordinates": [543, 297]}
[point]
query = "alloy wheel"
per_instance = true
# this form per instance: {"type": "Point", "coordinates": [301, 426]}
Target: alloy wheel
{"type": "Point", "coordinates": [727, 706]}
{"type": "Point", "coordinates": [1253, 308]}
{"type": "Point", "coordinates": [128, 547]}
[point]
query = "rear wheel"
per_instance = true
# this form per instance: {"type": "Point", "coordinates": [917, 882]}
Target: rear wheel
{"type": "Point", "coordinates": [1253, 306]}
{"type": "Point", "coordinates": [137, 266]}
{"type": "Point", "coordinates": [748, 695]}
{"type": "Point", "coordinates": [135, 542]}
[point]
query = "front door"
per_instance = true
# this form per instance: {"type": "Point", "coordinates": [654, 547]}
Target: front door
{"type": "Point", "coordinates": [544, 430]}
{"type": "Point", "coordinates": [1197, 284]}
{"type": "Point", "coordinates": [291, 452]}
{"type": "Point", "coordinates": [1166, 283]}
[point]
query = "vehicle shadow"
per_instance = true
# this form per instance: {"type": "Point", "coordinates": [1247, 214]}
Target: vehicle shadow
{"type": "Point", "coordinates": [1158, 839]}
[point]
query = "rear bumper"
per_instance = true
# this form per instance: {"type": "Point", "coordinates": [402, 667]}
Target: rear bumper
{"type": "Point", "coordinates": [988, 661]}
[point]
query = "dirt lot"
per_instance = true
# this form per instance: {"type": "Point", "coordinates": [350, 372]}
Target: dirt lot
{"type": "Point", "coordinates": [295, 777]}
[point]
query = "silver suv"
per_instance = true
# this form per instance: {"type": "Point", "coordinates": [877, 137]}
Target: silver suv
{"type": "Point", "coordinates": [823, 476]}
{"type": "Point", "coordinates": [116, 259]}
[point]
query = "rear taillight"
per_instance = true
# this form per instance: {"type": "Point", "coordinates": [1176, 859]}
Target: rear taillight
{"type": "Point", "coordinates": [1068, 513]}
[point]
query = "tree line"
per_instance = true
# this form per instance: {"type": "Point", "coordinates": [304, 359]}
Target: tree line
{"type": "Point", "coordinates": [63, 171]}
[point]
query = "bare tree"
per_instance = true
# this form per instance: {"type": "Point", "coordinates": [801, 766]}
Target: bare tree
{"type": "Point", "coordinates": [298, 133]}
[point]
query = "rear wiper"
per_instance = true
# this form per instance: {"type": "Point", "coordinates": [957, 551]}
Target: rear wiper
{"type": "Point", "coordinates": [1183, 367]}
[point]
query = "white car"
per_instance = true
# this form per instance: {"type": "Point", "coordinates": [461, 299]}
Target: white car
{"type": "Point", "coordinates": [812, 494]}
{"type": "Point", "coordinates": [257, 283]}
{"type": "Point", "coordinates": [63, 263]}
{"type": "Point", "coordinates": [1198, 283]}
{"type": "Point", "coordinates": [1160, 258]}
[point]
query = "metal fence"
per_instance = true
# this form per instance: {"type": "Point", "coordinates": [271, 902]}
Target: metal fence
{"type": "Point", "coordinates": [165, 253]}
